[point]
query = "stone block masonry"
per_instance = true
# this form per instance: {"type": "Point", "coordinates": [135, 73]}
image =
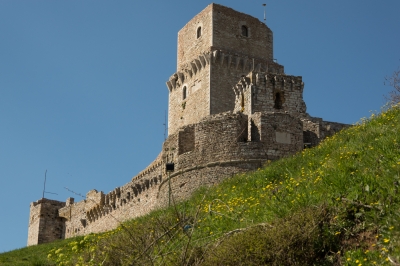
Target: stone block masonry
{"type": "Point", "coordinates": [230, 109]}
{"type": "Point", "coordinates": [215, 48]}
{"type": "Point", "coordinates": [45, 225]}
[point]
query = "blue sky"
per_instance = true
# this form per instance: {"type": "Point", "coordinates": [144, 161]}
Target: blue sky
{"type": "Point", "coordinates": [83, 94]}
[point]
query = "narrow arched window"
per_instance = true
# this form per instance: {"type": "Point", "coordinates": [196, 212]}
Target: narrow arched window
{"type": "Point", "coordinates": [278, 101]}
{"type": "Point", "coordinates": [198, 32]}
{"type": "Point", "coordinates": [184, 92]}
{"type": "Point", "coordinates": [245, 31]}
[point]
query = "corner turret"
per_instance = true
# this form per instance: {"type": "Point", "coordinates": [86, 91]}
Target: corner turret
{"type": "Point", "coordinates": [45, 225]}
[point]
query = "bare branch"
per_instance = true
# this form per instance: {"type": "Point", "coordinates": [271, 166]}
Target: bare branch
{"type": "Point", "coordinates": [393, 81]}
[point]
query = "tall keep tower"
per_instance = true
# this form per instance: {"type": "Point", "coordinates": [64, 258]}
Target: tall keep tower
{"type": "Point", "coordinates": [215, 49]}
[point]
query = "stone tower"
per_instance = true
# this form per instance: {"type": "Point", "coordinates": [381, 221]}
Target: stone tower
{"type": "Point", "coordinates": [44, 223]}
{"type": "Point", "coordinates": [215, 49]}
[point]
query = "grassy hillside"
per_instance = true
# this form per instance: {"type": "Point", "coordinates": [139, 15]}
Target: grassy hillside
{"type": "Point", "coordinates": [32, 256]}
{"type": "Point", "coordinates": [335, 204]}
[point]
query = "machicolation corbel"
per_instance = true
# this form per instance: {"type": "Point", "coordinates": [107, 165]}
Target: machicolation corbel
{"type": "Point", "coordinates": [173, 81]}
{"type": "Point", "coordinates": [215, 55]}
{"type": "Point", "coordinates": [258, 68]}
{"type": "Point", "coordinates": [221, 59]}
{"type": "Point", "coordinates": [237, 62]}
{"type": "Point", "coordinates": [229, 61]}
{"type": "Point", "coordinates": [245, 59]}
{"type": "Point", "coordinates": [169, 86]}
{"type": "Point", "coordinates": [194, 67]}
{"type": "Point", "coordinates": [181, 77]}
{"type": "Point", "coordinates": [202, 61]}
{"type": "Point", "coordinates": [207, 57]}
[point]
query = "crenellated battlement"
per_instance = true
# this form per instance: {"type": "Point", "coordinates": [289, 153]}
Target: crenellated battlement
{"type": "Point", "coordinates": [156, 164]}
{"type": "Point", "coordinates": [238, 61]}
{"type": "Point", "coordinates": [97, 209]}
{"type": "Point", "coordinates": [229, 59]}
{"type": "Point", "coordinates": [266, 92]}
{"type": "Point", "coordinates": [188, 72]}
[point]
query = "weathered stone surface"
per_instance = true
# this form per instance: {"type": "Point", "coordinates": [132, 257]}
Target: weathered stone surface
{"type": "Point", "coordinates": [231, 108]}
{"type": "Point", "coordinates": [283, 137]}
{"type": "Point", "coordinates": [44, 223]}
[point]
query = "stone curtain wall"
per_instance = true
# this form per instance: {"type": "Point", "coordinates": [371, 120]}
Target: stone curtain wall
{"type": "Point", "coordinates": [280, 133]}
{"type": "Point", "coordinates": [315, 130]}
{"type": "Point", "coordinates": [203, 154]}
{"type": "Point", "coordinates": [186, 139]}
{"type": "Point", "coordinates": [221, 149]}
{"type": "Point", "coordinates": [184, 183]}
{"type": "Point", "coordinates": [101, 212]}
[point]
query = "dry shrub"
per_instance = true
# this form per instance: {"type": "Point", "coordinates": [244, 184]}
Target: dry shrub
{"type": "Point", "coordinates": [304, 238]}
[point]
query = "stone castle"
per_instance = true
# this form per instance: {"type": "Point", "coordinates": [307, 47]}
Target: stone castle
{"type": "Point", "coordinates": [231, 108]}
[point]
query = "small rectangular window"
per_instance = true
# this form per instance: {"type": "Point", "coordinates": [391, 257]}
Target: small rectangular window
{"type": "Point", "coordinates": [245, 31]}
{"type": "Point", "coordinates": [198, 32]}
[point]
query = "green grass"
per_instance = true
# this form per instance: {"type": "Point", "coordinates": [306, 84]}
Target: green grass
{"type": "Point", "coordinates": [33, 255]}
{"type": "Point", "coordinates": [335, 204]}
